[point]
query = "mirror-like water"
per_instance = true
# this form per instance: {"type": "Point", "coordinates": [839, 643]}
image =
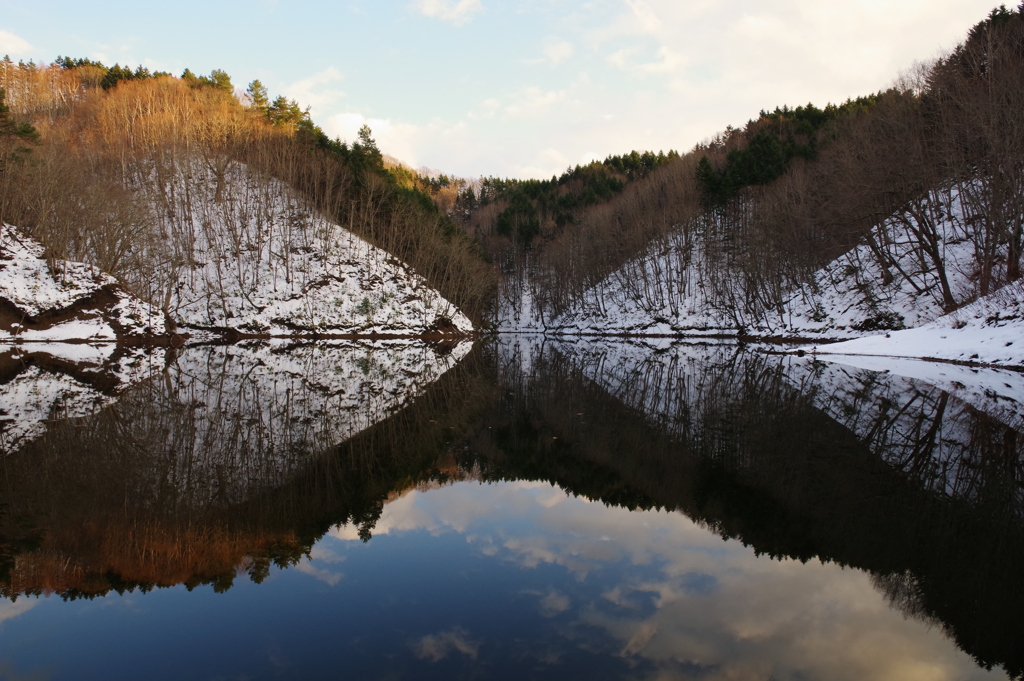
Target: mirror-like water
{"type": "Point", "coordinates": [518, 509]}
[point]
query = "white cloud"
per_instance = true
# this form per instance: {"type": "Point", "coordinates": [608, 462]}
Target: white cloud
{"type": "Point", "coordinates": [455, 12]}
{"type": "Point", "coordinates": [533, 101]}
{"type": "Point", "coordinates": [558, 51]}
{"type": "Point", "coordinates": [637, 74]}
{"type": "Point", "coordinates": [314, 91]}
{"type": "Point", "coordinates": [554, 52]}
{"type": "Point", "coordinates": [14, 46]}
{"type": "Point", "coordinates": [668, 62]}
{"type": "Point", "coordinates": [645, 16]}
{"type": "Point", "coordinates": [620, 59]}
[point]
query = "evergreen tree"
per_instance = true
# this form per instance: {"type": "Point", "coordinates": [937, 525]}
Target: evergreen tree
{"type": "Point", "coordinates": [259, 99]}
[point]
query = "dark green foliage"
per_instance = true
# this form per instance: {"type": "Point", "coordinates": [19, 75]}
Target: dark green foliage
{"type": "Point", "coordinates": [519, 221]}
{"type": "Point", "coordinates": [71, 63]}
{"type": "Point", "coordinates": [116, 73]}
{"type": "Point", "coordinates": [635, 165]}
{"type": "Point", "coordinates": [259, 99]}
{"type": "Point", "coordinates": [773, 140]}
{"type": "Point", "coordinates": [561, 198]}
{"type": "Point", "coordinates": [111, 75]}
{"type": "Point", "coordinates": [284, 111]}
{"type": "Point", "coordinates": [217, 79]}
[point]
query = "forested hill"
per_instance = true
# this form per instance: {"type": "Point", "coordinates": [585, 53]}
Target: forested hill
{"type": "Point", "coordinates": [742, 232]}
{"type": "Point", "coordinates": [162, 181]}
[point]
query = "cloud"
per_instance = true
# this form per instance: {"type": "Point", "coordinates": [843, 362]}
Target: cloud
{"type": "Point", "coordinates": [455, 12]}
{"type": "Point", "coordinates": [533, 101]}
{"type": "Point", "coordinates": [645, 16]}
{"type": "Point", "coordinates": [555, 51]}
{"type": "Point", "coordinates": [436, 647]}
{"type": "Point", "coordinates": [313, 91]}
{"type": "Point", "coordinates": [668, 61]}
{"type": "Point", "coordinates": [14, 46]}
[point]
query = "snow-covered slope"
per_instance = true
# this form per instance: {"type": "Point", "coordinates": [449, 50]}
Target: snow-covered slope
{"type": "Point", "coordinates": [64, 300]}
{"type": "Point", "coordinates": [987, 331]}
{"type": "Point", "coordinates": [669, 290]}
{"type": "Point", "coordinates": [249, 254]}
{"type": "Point", "coordinates": [226, 249]}
{"type": "Point", "coordinates": [887, 282]}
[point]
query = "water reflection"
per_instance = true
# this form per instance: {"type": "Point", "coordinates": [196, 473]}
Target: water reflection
{"type": "Point", "coordinates": [230, 460]}
{"type": "Point", "coordinates": [184, 476]}
{"type": "Point", "coordinates": [654, 595]}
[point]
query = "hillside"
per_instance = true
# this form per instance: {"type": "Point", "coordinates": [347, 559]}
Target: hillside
{"type": "Point", "coordinates": [222, 214]}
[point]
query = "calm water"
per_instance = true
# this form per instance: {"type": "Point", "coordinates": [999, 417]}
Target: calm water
{"type": "Point", "coordinates": [514, 509]}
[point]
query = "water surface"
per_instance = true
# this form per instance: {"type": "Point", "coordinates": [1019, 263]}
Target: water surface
{"type": "Point", "coordinates": [521, 509]}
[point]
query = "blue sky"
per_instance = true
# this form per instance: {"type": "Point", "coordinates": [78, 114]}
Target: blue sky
{"type": "Point", "coordinates": [518, 89]}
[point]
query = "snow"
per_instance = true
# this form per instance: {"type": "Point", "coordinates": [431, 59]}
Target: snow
{"type": "Point", "coordinates": [77, 329]}
{"type": "Point", "coordinates": [27, 280]}
{"type": "Point", "coordinates": [34, 286]}
{"type": "Point", "coordinates": [884, 282]}
{"type": "Point", "coordinates": [884, 294]}
{"type": "Point", "coordinates": [233, 251]}
{"type": "Point", "coordinates": [256, 258]}
{"type": "Point", "coordinates": [987, 331]}
{"type": "Point", "coordinates": [862, 291]}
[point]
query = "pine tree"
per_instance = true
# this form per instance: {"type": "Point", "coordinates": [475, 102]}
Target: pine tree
{"type": "Point", "coordinates": [259, 99]}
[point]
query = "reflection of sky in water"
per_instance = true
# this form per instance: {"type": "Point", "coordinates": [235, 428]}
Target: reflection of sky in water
{"type": "Point", "coordinates": [514, 580]}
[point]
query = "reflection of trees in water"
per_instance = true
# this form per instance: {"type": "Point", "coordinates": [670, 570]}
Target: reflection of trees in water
{"type": "Point", "coordinates": [908, 483]}
{"type": "Point", "coordinates": [948, 445]}
{"type": "Point", "coordinates": [233, 459]}
{"type": "Point", "coordinates": [238, 419]}
{"type": "Point", "coordinates": [934, 438]}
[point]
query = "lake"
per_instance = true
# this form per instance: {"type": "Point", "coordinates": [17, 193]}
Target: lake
{"type": "Point", "coordinates": [517, 507]}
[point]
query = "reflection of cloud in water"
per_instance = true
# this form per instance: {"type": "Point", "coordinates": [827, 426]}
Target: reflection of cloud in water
{"type": "Point", "coordinates": [326, 576]}
{"type": "Point", "coordinates": [711, 605]}
{"type": "Point", "coordinates": [551, 602]}
{"type": "Point", "coordinates": [319, 557]}
{"type": "Point", "coordinates": [9, 610]}
{"type": "Point", "coordinates": [436, 647]}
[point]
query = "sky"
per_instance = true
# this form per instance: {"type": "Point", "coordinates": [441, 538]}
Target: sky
{"type": "Point", "coordinates": [514, 89]}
